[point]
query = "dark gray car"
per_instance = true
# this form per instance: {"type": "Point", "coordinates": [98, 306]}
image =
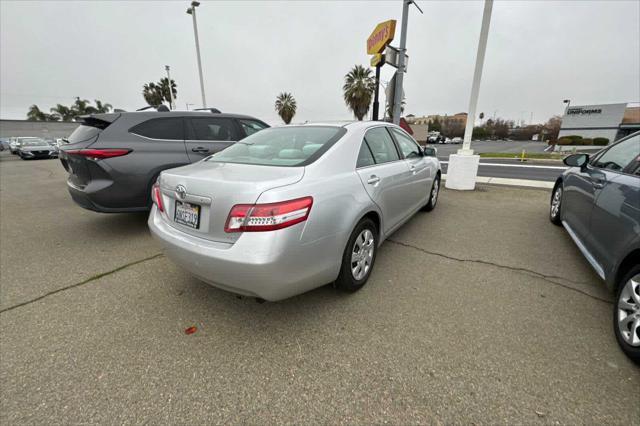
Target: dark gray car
{"type": "Point", "coordinates": [598, 202]}
{"type": "Point", "coordinates": [114, 159]}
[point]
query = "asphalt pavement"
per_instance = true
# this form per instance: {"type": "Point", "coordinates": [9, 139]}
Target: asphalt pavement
{"type": "Point", "coordinates": [479, 312]}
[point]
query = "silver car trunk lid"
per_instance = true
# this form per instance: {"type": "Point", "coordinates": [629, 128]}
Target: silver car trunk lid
{"type": "Point", "coordinates": [216, 188]}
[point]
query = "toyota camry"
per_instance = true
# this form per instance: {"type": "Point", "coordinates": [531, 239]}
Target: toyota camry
{"type": "Point", "coordinates": [292, 208]}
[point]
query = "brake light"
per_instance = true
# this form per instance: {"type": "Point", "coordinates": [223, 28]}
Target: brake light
{"type": "Point", "coordinates": [156, 196]}
{"type": "Point", "coordinates": [98, 154]}
{"type": "Point", "coordinates": [268, 217]}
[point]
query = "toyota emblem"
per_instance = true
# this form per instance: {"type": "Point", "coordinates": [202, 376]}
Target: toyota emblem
{"type": "Point", "coordinates": [181, 191]}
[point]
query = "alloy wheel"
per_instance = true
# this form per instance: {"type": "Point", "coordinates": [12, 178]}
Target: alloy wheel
{"type": "Point", "coordinates": [434, 192]}
{"type": "Point", "coordinates": [629, 311]}
{"type": "Point", "coordinates": [362, 254]}
{"type": "Point", "coordinates": [555, 202]}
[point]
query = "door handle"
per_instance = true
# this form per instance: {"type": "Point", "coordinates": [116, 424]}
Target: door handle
{"type": "Point", "coordinates": [200, 149]}
{"type": "Point", "coordinates": [598, 183]}
{"type": "Point", "coordinates": [373, 180]}
{"type": "Point", "coordinates": [413, 169]}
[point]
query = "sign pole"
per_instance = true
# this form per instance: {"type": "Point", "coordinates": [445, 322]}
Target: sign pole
{"type": "Point", "coordinates": [376, 104]}
{"type": "Point", "coordinates": [397, 100]}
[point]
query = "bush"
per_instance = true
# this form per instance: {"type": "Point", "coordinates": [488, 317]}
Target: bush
{"type": "Point", "coordinates": [601, 141]}
{"type": "Point", "coordinates": [586, 141]}
{"type": "Point", "coordinates": [574, 138]}
{"type": "Point", "coordinates": [565, 141]}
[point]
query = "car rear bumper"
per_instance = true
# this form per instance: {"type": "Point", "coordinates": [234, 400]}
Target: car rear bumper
{"type": "Point", "coordinates": [86, 198]}
{"type": "Point", "coordinates": [270, 265]}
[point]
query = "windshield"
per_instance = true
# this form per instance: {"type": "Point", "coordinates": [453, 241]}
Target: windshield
{"type": "Point", "coordinates": [33, 142]}
{"type": "Point", "coordinates": [281, 146]}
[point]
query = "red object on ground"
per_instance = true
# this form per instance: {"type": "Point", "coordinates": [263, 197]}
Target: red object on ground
{"type": "Point", "coordinates": [191, 330]}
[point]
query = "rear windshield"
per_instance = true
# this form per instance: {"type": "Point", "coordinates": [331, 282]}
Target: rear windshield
{"type": "Point", "coordinates": [34, 142]}
{"type": "Point", "coordinates": [281, 146]}
{"type": "Point", "coordinates": [83, 133]}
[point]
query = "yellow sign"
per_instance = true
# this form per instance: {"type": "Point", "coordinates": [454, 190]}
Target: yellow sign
{"type": "Point", "coordinates": [376, 59]}
{"type": "Point", "coordinates": [381, 36]}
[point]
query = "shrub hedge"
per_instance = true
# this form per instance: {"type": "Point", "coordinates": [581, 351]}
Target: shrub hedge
{"type": "Point", "coordinates": [601, 141]}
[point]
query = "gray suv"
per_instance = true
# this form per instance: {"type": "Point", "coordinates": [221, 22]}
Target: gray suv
{"type": "Point", "coordinates": [114, 159]}
{"type": "Point", "coordinates": [598, 201]}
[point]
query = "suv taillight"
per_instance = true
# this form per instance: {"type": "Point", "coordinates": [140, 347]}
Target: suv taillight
{"type": "Point", "coordinates": [98, 154]}
{"type": "Point", "coordinates": [156, 196]}
{"type": "Point", "coordinates": [268, 217]}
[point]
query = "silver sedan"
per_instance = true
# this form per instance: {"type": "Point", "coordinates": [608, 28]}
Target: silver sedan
{"type": "Point", "coordinates": [292, 208]}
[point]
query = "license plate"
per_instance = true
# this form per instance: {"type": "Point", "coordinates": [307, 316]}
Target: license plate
{"type": "Point", "coordinates": [187, 214]}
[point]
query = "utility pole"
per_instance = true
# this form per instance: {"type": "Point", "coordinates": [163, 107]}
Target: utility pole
{"type": "Point", "coordinates": [397, 98]}
{"type": "Point", "coordinates": [192, 11]}
{"type": "Point", "coordinates": [172, 102]}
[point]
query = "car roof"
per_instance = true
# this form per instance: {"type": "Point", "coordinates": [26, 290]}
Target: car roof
{"type": "Point", "coordinates": [154, 114]}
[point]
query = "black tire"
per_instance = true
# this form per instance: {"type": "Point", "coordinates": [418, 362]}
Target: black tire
{"type": "Point", "coordinates": [633, 352]}
{"type": "Point", "coordinates": [433, 200]}
{"type": "Point", "coordinates": [555, 210]}
{"type": "Point", "coordinates": [346, 280]}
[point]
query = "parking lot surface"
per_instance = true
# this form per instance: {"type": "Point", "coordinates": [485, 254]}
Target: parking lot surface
{"type": "Point", "coordinates": [479, 312]}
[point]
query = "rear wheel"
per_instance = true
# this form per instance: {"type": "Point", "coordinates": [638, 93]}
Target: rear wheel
{"type": "Point", "coordinates": [626, 314]}
{"type": "Point", "coordinates": [358, 256]}
{"type": "Point", "coordinates": [433, 195]}
{"type": "Point", "coordinates": [556, 204]}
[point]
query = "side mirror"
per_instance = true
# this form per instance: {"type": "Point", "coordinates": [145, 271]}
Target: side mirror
{"type": "Point", "coordinates": [430, 151]}
{"type": "Point", "coordinates": [576, 160]}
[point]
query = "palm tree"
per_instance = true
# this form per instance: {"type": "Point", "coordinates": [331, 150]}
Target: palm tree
{"type": "Point", "coordinates": [286, 106]}
{"type": "Point", "coordinates": [82, 107]}
{"type": "Point", "coordinates": [152, 94]}
{"type": "Point", "coordinates": [164, 89]}
{"type": "Point", "coordinates": [102, 108]}
{"type": "Point", "coordinates": [358, 89]}
{"type": "Point", "coordinates": [34, 114]}
{"type": "Point", "coordinates": [64, 112]}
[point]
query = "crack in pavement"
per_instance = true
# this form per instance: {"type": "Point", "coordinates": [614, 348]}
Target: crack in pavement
{"type": "Point", "coordinates": [87, 281]}
{"type": "Point", "coordinates": [547, 278]}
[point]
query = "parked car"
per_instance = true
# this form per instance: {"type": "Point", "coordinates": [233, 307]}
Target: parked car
{"type": "Point", "coordinates": [457, 140]}
{"type": "Point", "coordinates": [293, 208]}
{"type": "Point", "coordinates": [34, 148]}
{"type": "Point", "coordinates": [598, 201]}
{"type": "Point", "coordinates": [18, 141]}
{"type": "Point", "coordinates": [114, 159]}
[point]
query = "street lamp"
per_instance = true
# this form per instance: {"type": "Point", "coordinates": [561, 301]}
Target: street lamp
{"type": "Point", "coordinates": [568, 102]}
{"type": "Point", "coordinates": [172, 103]}
{"type": "Point", "coordinates": [192, 11]}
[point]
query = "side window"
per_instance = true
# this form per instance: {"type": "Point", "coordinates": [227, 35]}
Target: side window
{"type": "Point", "coordinates": [251, 126]}
{"type": "Point", "coordinates": [620, 155]}
{"type": "Point", "coordinates": [381, 144]}
{"type": "Point", "coordinates": [365, 158]}
{"type": "Point", "coordinates": [211, 129]}
{"type": "Point", "coordinates": [409, 148]}
{"type": "Point", "coordinates": [160, 128]}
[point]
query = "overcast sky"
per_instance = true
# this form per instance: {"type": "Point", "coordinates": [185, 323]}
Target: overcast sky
{"type": "Point", "coordinates": [538, 53]}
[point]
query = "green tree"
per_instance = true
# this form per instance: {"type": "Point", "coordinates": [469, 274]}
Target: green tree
{"type": "Point", "coordinates": [358, 90]}
{"type": "Point", "coordinates": [164, 89]}
{"type": "Point", "coordinates": [152, 94]}
{"type": "Point", "coordinates": [102, 108]}
{"type": "Point", "coordinates": [82, 107]}
{"type": "Point", "coordinates": [35, 114]}
{"type": "Point", "coordinates": [286, 106]}
{"type": "Point", "coordinates": [64, 112]}
{"type": "Point", "coordinates": [435, 126]}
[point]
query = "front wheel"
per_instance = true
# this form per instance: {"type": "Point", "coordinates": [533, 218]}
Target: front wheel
{"type": "Point", "coordinates": [358, 256]}
{"type": "Point", "coordinates": [626, 314]}
{"type": "Point", "coordinates": [433, 195]}
{"type": "Point", "coordinates": [556, 204]}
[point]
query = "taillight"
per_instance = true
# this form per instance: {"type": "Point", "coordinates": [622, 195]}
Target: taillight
{"type": "Point", "coordinates": [268, 217]}
{"type": "Point", "coordinates": [98, 154]}
{"type": "Point", "coordinates": [156, 196]}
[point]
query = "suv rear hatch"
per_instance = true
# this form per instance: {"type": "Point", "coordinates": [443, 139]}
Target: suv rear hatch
{"type": "Point", "coordinates": [85, 135]}
{"type": "Point", "coordinates": [214, 188]}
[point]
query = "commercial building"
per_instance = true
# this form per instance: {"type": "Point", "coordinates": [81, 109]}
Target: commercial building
{"type": "Point", "coordinates": [611, 121]}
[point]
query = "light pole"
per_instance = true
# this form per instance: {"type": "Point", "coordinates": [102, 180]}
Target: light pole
{"type": "Point", "coordinates": [463, 166]}
{"type": "Point", "coordinates": [192, 11]}
{"type": "Point", "coordinates": [568, 102]}
{"type": "Point", "coordinates": [172, 102]}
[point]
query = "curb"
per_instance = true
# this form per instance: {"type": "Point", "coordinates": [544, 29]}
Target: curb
{"type": "Point", "coordinates": [528, 183]}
